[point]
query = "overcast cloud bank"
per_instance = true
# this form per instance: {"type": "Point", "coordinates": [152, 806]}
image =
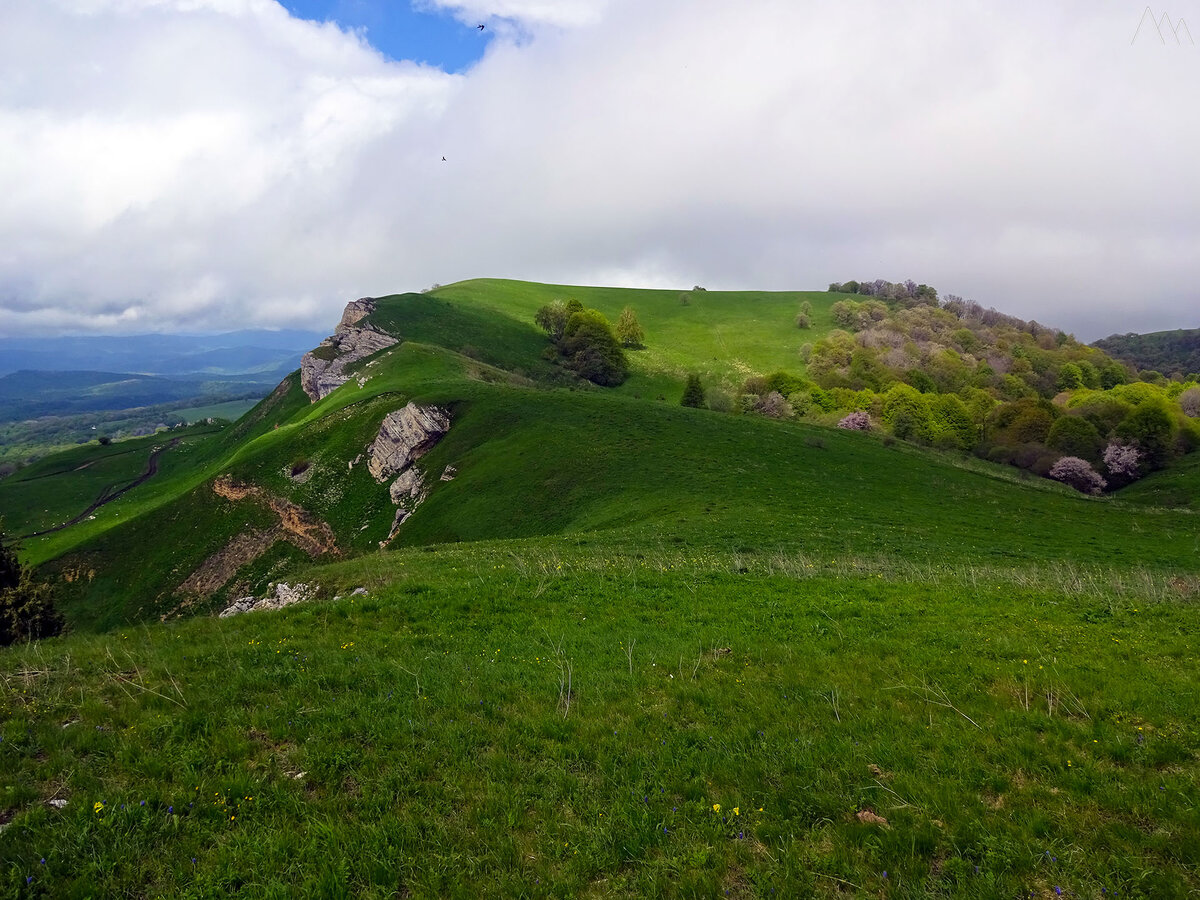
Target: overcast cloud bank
{"type": "Point", "coordinates": [191, 164]}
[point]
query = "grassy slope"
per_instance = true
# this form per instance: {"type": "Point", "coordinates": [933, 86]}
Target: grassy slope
{"type": "Point", "coordinates": [416, 742]}
{"type": "Point", "coordinates": [1177, 487]}
{"type": "Point", "coordinates": [723, 335]}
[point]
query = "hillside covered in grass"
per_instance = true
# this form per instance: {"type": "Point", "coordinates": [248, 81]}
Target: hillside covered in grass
{"type": "Point", "coordinates": [612, 645]}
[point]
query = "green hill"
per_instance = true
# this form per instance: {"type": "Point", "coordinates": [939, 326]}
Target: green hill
{"type": "Point", "coordinates": [626, 649]}
{"type": "Point", "coordinates": [1168, 352]}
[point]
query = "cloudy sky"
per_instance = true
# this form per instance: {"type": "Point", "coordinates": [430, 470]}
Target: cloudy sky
{"type": "Point", "coordinates": [214, 164]}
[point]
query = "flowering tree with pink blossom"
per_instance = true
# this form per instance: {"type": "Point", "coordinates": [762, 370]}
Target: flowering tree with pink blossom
{"type": "Point", "coordinates": [856, 421]}
{"type": "Point", "coordinates": [1079, 474]}
{"type": "Point", "coordinates": [1122, 460]}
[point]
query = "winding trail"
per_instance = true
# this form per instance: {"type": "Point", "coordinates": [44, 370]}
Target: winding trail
{"type": "Point", "coordinates": [108, 495]}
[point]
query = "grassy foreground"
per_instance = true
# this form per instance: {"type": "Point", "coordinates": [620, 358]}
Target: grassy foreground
{"type": "Point", "coordinates": [545, 719]}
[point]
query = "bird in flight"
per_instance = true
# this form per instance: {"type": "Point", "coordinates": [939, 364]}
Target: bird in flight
{"type": "Point", "coordinates": [443, 159]}
{"type": "Point", "coordinates": [481, 27]}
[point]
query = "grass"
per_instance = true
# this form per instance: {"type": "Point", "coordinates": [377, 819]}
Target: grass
{"type": "Point", "coordinates": [722, 335]}
{"type": "Point", "coordinates": [233, 410]}
{"type": "Point", "coordinates": [419, 740]}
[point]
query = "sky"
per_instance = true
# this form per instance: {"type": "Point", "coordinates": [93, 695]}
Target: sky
{"type": "Point", "coordinates": [188, 165]}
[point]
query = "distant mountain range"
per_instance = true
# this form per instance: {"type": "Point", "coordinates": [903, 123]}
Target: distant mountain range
{"type": "Point", "coordinates": [251, 355]}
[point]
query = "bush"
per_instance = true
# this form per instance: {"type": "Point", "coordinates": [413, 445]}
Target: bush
{"type": "Point", "coordinates": [1079, 474]}
{"type": "Point", "coordinates": [720, 401]}
{"type": "Point", "coordinates": [803, 321]}
{"type": "Point", "coordinates": [26, 607]}
{"type": "Point", "coordinates": [553, 317]}
{"type": "Point", "coordinates": [693, 392]}
{"type": "Point", "coordinates": [1122, 460]}
{"type": "Point", "coordinates": [774, 406]}
{"type": "Point", "coordinates": [856, 421]}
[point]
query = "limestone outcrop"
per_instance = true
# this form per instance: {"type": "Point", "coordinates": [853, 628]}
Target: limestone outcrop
{"type": "Point", "coordinates": [323, 370]}
{"type": "Point", "coordinates": [279, 596]}
{"type": "Point", "coordinates": [404, 437]}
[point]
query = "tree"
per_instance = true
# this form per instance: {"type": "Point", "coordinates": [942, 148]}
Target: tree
{"type": "Point", "coordinates": [1070, 377]}
{"type": "Point", "coordinates": [629, 330]}
{"type": "Point", "coordinates": [1189, 402]}
{"type": "Point", "coordinates": [553, 317]}
{"type": "Point", "coordinates": [1075, 436]}
{"type": "Point", "coordinates": [26, 607]}
{"type": "Point", "coordinates": [590, 349]}
{"type": "Point", "coordinates": [693, 392]}
{"type": "Point", "coordinates": [952, 423]}
{"type": "Point", "coordinates": [1151, 428]}
{"type": "Point", "coordinates": [907, 412]}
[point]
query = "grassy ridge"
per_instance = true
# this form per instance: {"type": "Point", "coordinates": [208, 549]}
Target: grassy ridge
{"type": "Point", "coordinates": [723, 335]}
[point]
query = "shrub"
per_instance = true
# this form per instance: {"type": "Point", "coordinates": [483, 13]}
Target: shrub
{"type": "Point", "coordinates": [1122, 460]}
{"type": "Point", "coordinates": [629, 329]}
{"type": "Point", "coordinates": [1079, 474]}
{"type": "Point", "coordinates": [720, 401]}
{"type": "Point", "coordinates": [803, 321]}
{"type": "Point", "coordinates": [693, 392]}
{"type": "Point", "coordinates": [26, 607]}
{"type": "Point", "coordinates": [856, 421]}
{"type": "Point", "coordinates": [755, 384]}
{"type": "Point", "coordinates": [774, 406]}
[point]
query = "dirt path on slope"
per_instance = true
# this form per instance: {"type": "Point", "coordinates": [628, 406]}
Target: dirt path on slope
{"type": "Point", "coordinates": [108, 495]}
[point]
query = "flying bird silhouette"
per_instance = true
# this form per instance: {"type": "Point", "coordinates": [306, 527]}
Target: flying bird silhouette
{"type": "Point", "coordinates": [443, 159]}
{"type": "Point", "coordinates": [481, 27]}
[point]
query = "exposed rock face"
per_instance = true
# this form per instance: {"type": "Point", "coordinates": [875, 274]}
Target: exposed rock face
{"type": "Point", "coordinates": [322, 371]}
{"type": "Point", "coordinates": [404, 437]}
{"type": "Point", "coordinates": [282, 595]}
{"type": "Point", "coordinates": [409, 488]}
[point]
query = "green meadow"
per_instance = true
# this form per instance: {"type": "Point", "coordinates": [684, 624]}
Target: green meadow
{"type": "Point", "coordinates": [630, 650]}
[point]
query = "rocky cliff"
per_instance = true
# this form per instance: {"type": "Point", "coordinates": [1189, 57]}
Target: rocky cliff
{"type": "Point", "coordinates": [323, 370]}
{"type": "Point", "coordinates": [404, 437]}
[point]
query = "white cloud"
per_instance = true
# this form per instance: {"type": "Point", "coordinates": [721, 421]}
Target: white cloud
{"type": "Point", "coordinates": [198, 163]}
{"type": "Point", "coordinates": [560, 13]}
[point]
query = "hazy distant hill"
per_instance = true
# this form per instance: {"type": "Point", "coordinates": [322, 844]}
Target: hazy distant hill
{"type": "Point", "coordinates": [1169, 352]}
{"type": "Point", "coordinates": [29, 394]}
{"type": "Point", "coordinates": [266, 354]}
